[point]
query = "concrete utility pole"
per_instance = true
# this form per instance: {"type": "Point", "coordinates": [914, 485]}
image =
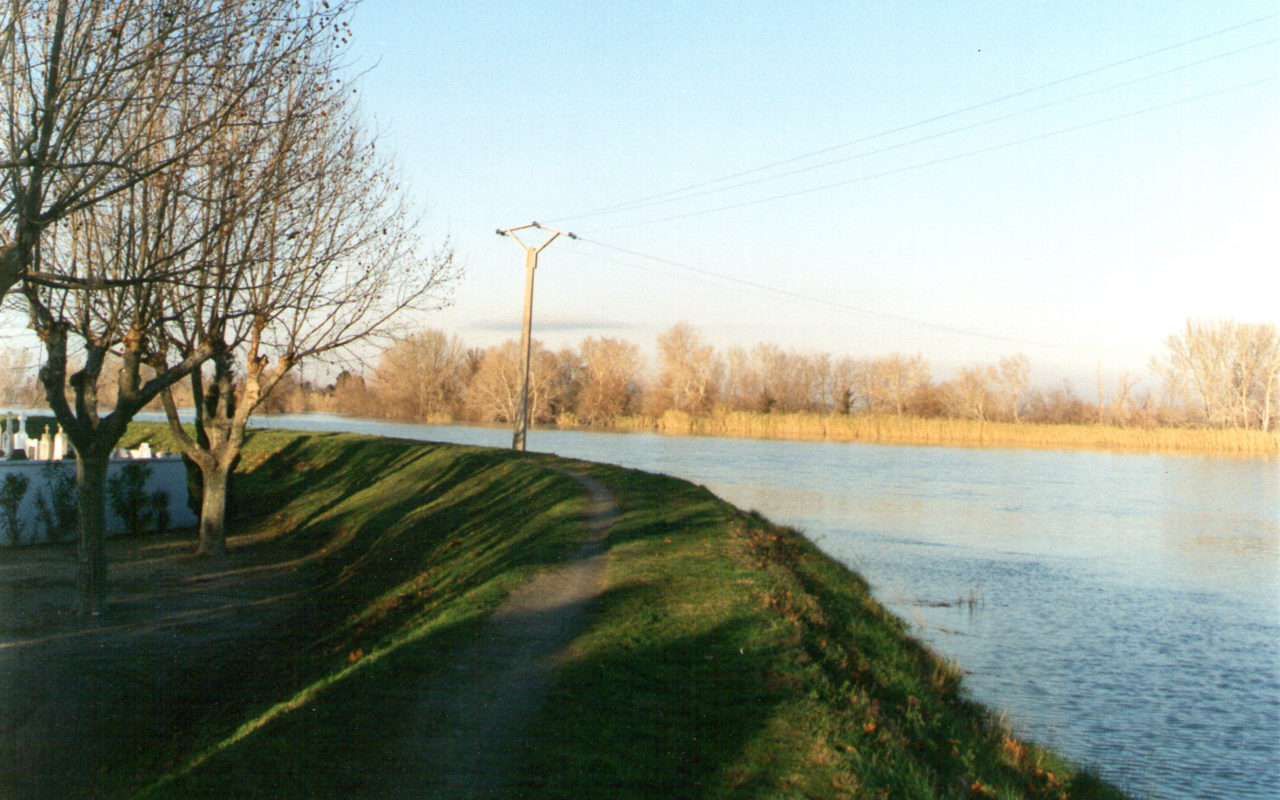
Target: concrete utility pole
{"type": "Point", "coordinates": [526, 340]}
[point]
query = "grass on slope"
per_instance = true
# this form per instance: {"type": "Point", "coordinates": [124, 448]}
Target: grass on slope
{"type": "Point", "coordinates": [729, 658]}
{"type": "Point", "coordinates": [726, 658]}
{"type": "Point", "coordinates": [410, 546]}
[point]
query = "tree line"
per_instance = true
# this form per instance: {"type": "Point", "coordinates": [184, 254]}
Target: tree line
{"type": "Point", "coordinates": [1215, 374]}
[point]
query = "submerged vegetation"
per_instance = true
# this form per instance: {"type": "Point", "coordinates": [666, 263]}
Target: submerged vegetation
{"type": "Point", "coordinates": [725, 657]}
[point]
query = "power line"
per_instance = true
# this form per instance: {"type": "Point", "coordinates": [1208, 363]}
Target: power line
{"type": "Point", "coordinates": [818, 301]}
{"type": "Point", "coordinates": [943, 159]}
{"type": "Point", "coordinates": [674, 197]}
{"type": "Point", "coordinates": [888, 132]}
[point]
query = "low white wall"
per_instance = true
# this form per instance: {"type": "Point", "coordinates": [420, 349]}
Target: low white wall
{"type": "Point", "coordinates": [167, 474]}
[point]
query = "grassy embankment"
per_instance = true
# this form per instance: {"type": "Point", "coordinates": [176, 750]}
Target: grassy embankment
{"type": "Point", "coordinates": [957, 432]}
{"type": "Point", "coordinates": [727, 657]}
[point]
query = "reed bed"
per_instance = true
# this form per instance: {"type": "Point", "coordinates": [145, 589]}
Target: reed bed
{"type": "Point", "coordinates": [887, 429]}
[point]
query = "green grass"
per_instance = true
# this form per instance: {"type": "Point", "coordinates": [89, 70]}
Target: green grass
{"type": "Point", "coordinates": [727, 657]}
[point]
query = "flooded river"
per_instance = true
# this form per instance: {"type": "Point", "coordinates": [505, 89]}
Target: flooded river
{"type": "Point", "coordinates": [1122, 608]}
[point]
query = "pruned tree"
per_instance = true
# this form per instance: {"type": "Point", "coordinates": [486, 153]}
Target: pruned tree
{"type": "Point", "coordinates": [83, 84]}
{"type": "Point", "coordinates": [119, 247]}
{"type": "Point", "coordinates": [112, 112]}
{"type": "Point", "coordinates": [316, 251]}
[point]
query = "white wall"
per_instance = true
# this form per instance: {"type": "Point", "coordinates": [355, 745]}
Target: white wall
{"type": "Point", "coordinates": [167, 473]}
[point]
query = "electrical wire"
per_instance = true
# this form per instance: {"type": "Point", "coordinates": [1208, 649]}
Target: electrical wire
{"type": "Point", "coordinates": [826, 303]}
{"type": "Point", "coordinates": [678, 197]}
{"type": "Point", "coordinates": [943, 159]}
{"type": "Point", "coordinates": [888, 132]}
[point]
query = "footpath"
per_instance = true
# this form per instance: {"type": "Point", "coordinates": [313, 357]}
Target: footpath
{"type": "Point", "coordinates": [468, 726]}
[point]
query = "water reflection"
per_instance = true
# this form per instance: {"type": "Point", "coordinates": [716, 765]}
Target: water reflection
{"type": "Point", "coordinates": [1130, 603]}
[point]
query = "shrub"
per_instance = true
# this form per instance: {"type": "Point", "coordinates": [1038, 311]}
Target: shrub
{"type": "Point", "coordinates": [127, 495]}
{"type": "Point", "coordinates": [56, 510]}
{"type": "Point", "coordinates": [12, 491]}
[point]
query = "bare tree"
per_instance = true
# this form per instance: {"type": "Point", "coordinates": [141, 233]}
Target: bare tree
{"type": "Point", "coordinates": [119, 245]}
{"type": "Point", "coordinates": [690, 373]}
{"type": "Point", "coordinates": [1060, 405]}
{"type": "Point", "coordinates": [117, 115]}
{"type": "Point", "coordinates": [315, 252]}
{"type": "Point", "coordinates": [890, 382]}
{"type": "Point", "coordinates": [18, 386]}
{"type": "Point", "coordinates": [493, 394]}
{"type": "Point", "coordinates": [1014, 381]}
{"type": "Point", "coordinates": [971, 393]}
{"type": "Point", "coordinates": [1121, 398]}
{"type": "Point", "coordinates": [1230, 371]}
{"type": "Point", "coordinates": [609, 383]}
{"type": "Point", "coordinates": [423, 376]}
{"type": "Point", "coordinates": [83, 81]}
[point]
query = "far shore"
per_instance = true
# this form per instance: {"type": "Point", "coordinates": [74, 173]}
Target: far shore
{"type": "Point", "coordinates": [888, 429]}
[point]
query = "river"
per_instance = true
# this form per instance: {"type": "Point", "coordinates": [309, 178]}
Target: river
{"type": "Point", "coordinates": [1122, 608]}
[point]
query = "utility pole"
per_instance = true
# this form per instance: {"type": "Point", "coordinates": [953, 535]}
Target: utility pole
{"type": "Point", "coordinates": [526, 330]}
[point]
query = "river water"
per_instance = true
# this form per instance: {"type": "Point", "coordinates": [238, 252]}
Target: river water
{"type": "Point", "coordinates": [1122, 608]}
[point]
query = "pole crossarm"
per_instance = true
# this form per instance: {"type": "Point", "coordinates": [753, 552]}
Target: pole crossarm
{"type": "Point", "coordinates": [526, 329]}
{"type": "Point", "coordinates": [554, 233]}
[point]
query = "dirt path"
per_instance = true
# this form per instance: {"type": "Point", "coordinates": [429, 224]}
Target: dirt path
{"type": "Point", "coordinates": [470, 720]}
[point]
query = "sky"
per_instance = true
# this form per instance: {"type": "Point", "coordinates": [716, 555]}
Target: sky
{"type": "Point", "coordinates": [1068, 180]}
{"type": "Point", "coordinates": [1072, 181]}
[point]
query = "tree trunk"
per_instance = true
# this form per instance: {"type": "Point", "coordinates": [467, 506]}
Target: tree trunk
{"type": "Point", "coordinates": [213, 509]}
{"type": "Point", "coordinates": [91, 575]}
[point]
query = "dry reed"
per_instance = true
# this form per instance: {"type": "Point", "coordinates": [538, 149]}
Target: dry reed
{"type": "Point", "coordinates": [887, 429]}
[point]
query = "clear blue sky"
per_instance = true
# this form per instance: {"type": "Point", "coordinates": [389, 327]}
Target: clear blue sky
{"type": "Point", "coordinates": [1111, 169]}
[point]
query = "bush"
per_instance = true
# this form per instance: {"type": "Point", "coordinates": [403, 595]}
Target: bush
{"type": "Point", "coordinates": [12, 491]}
{"type": "Point", "coordinates": [127, 495]}
{"type": "Point", "coordinates": [56, 510]}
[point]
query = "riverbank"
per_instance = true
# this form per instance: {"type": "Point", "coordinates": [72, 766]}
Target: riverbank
{"type": "Point", "coordinates": [725, 657]}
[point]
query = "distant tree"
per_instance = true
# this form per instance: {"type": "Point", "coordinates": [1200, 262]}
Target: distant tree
{"type": "Point", "coordinates": [889, 382]}
{"type": "Point", "coordinates": [1061, 406]}
{"type": "Point", "coordinates": [609, 385]}
{"type": "Point", "coordinates": [493, 393]}
{"type": "Point", "coordinates": [351, 396]}
{"type": "Point", "coordinates": [846, 377]}
{"type": "Point", "coordinates": [743, 386]}
{"type": "Point", "coordinates": [1014, 383]}
{"type": "Point", "coordinates": [690, 371]}
{"type": "Point", "coordinates": [972, 393]}
{"type": "Point", "coordinates": [18, 387]}
{"type": "Point", "coordinates": [1229, 371]}
{"type": "Point", "coordinates": [423, 376]}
